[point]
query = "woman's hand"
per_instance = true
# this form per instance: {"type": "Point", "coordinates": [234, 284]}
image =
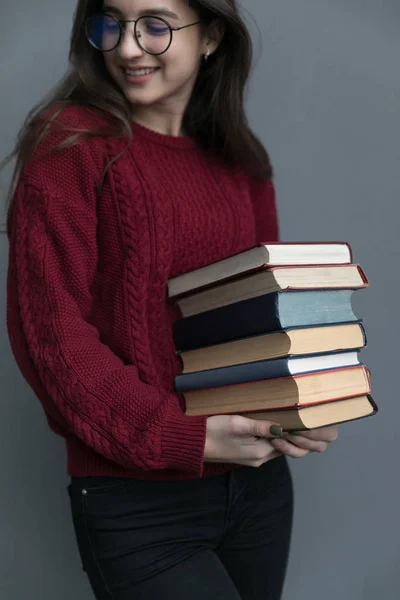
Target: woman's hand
{"type": "Point", "coordinates": [249, 442]}
{"type": "Point", "coordinates": [304, 442]}
{"type": "Point", "coordinates": [239, 440]}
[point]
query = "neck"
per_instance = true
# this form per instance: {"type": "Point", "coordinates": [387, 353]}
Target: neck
{"type": "Point", "coordinates": [161, 120]}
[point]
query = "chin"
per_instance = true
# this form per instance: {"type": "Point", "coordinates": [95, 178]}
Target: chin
{"type": "Point", "coordinates": [144, 99]}
{"type": "Point", "coordinates": [148, 97]}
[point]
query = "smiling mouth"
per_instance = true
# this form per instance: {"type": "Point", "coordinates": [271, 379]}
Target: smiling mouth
{"type": "Point", "coordinates": [140, 72]}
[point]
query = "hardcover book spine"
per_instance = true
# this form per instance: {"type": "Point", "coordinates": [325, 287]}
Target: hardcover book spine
{"type": "Point", "coordinates": [255, 371]}
{"type": "Point", "coordinates": [315, 307]}
{"type": "Point", "coordinates": [241, 319]}
{"type": "Point", "coordinates": [243, 373]}
{"type": "Point", "coordinates": [364, 334]}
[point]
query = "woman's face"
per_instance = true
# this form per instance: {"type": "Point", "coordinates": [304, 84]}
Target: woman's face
{"type": "Point", "coordinates": [175, 71]}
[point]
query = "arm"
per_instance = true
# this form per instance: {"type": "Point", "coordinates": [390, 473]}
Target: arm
{"type": "Point", "coordinates": [80, 381]}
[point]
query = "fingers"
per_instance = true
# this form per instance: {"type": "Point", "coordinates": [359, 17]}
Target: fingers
{"type": "Point", "coordinates": [298, 446]}
{"type": "Point", "coordinates": [271, 430]}
{"type": "Point", "coordinates": [261, 436]}
{"type": "Point", "coordinates": [286, 447]}
{"type": "Point", "coordinates": [324, 434]}
{"type": "Point", "coordinates": [307, 443]}
{"type": "Point", "coordinates": [261, 457]}
{"type": "Point", "coordinates": [256, 453]}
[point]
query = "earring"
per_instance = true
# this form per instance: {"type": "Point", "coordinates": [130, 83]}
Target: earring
{"type": "Point", "coordinates": [207, 54]}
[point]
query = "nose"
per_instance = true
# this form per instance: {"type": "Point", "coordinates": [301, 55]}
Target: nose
{"type": "Point", "coordinates": [128, 47]}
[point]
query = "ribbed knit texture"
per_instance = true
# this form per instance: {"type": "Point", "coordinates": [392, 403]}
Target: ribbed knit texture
{"type": "Point", "coordinates": [88, 316]}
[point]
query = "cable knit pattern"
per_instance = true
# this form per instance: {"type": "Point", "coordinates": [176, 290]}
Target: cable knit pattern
{"type": "Point", "coordinates": [136, 269]}
{"type": "Point", "coordinates": [88, 317]}
{"type": "Point", "coordinates": [39, 325]}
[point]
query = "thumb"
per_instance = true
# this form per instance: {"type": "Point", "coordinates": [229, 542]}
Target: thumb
{"type": "Point", "coordinates": [261, 428]}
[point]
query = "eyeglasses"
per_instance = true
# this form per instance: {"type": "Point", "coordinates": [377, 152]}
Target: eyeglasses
{"type": "Point", "coordinates": [153, 34]}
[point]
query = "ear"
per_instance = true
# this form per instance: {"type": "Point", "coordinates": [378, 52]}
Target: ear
{"type": "Point", "coordinates": [213, 35]}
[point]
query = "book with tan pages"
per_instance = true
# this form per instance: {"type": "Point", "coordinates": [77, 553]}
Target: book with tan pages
{"type": "Point", "coordinates": [267, 254]}
{"type": "Point", "coordinates": [289, 342]}
{"type": "Point", "coordinates": [324, 414]}
{"type": "Point", "coordinates": [284, 392]}
{"type": "Point", "coordinates": [275, 279]}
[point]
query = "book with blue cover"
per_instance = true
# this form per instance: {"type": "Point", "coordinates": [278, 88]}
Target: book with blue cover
{"type": "Point", "coordinates": [264, 369]}
{"type": "Point", "coordinates": [264, 314]}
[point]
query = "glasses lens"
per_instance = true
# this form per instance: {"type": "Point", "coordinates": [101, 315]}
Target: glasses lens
{"type": "Point", "coordinates": [153, 35]}
{"type": "Point", "coordinates": [103, 32]}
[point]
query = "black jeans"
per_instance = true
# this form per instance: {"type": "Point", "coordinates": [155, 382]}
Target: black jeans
{"type": "Point", "coordinates": [224, 537]}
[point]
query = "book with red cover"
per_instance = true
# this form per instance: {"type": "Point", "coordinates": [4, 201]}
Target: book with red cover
{"type": "Point", "coordinates": [264, 255]}
{"type": "Point", "coordinates": [284, 392]}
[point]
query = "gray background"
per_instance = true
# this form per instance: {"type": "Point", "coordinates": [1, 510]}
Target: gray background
{"type": "Point", "coordinates": [325, 99]}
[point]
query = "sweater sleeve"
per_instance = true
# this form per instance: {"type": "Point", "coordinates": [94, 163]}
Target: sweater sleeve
{"type": "Point", "coordinates": [79, 380]}
{"type": "Point", "coordinates": [265, 211]}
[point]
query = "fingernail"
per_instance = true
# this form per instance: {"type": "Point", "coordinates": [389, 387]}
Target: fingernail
{"type": "Point", "coordinates": [276, 430]}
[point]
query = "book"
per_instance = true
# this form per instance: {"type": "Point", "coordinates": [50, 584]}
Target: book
{"type": "Point", "coordinates": [320, 415]}
{"type": "Point", "coordinates": [349, 276]}
{"type": "Point", "coordinates": [285, 392]}
{"type": "Point", "coordinates": [264, 369]}
{"type": "Point", "coordinates": [263, 314]}
{"type": "Point", "coordinates": [259, 257]}
{"type": "Point", "coordinates": [287, 342]}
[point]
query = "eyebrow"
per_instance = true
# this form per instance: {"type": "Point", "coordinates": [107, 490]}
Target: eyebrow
{"type": "Point", "coordinates": [156, 11]}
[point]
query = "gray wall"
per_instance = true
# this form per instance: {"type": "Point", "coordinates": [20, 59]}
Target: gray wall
{"type": "Point", "coordinates": [325, 100]}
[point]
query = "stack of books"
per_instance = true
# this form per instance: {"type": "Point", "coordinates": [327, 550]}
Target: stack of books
{"type": "Point", "coordinates": [270, 333]}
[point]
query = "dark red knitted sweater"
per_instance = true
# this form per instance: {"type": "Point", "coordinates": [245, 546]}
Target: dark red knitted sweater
{"type": "Point", "coordinates": [87, 312]}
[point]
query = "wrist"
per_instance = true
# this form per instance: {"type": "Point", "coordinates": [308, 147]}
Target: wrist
{"type": "Point", "coordinates": [209, 446]}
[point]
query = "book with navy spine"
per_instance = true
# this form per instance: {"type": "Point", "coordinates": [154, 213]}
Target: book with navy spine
{"type": "Point", "coordinates": [265, 369]}
{"type": "Point", "coordinates": [264, 314]}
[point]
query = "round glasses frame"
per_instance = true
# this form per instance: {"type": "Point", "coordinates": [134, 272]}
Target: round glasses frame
{"type": "Point", "coordinates": [137, 37]}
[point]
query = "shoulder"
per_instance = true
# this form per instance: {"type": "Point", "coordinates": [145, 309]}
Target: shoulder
{"type": "Point", "coordinates": [75, 116]}
{"type": "Point", "coordinates": [69, 143]}
{"type": "Point", "coordinates": [62, 127]}
{"type": "Point", "coordinates": [261, 188]}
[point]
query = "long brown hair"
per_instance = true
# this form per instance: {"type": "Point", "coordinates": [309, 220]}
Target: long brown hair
{"type": "Point", "coordinates": [215, 115]}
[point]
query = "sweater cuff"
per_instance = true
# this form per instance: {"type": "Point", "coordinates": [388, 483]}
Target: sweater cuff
{"type": "Point", "coordinates": [182, 442]}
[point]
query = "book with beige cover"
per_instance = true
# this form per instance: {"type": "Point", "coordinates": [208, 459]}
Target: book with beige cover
{"type": "Point", "coordinates": [259, 257]}
{"type": "Point", "coordinates": [289, 342]}
{"type": "Point", "coordinates": [271, 280]}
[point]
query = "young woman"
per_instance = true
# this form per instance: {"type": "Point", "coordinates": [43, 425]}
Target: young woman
{"type": "Point", "coordinates": [139, 167]}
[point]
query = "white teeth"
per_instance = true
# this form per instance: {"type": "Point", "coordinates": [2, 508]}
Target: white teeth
{"type": "Point", "coordinates": [139, 72]}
